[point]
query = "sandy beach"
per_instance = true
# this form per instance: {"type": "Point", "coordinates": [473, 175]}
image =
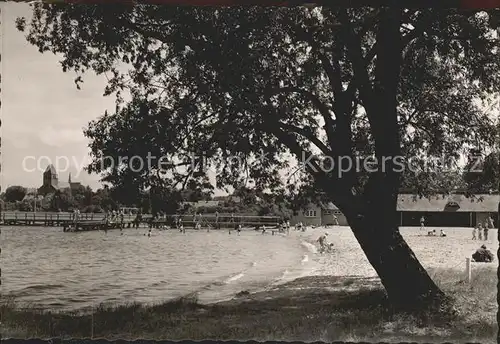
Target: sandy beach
{"type": "Point", "coordinates": [348, 259]}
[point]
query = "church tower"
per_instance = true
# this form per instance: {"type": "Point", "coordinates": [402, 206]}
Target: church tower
{"type": "Point", "coordinates": [50, 177]}
{"type": "Point", "coordinates": [69, 183]}
{"type": "Point", "coordinates": [50, 182]}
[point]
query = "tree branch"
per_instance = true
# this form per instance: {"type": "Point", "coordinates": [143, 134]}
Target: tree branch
{"type": "Point", "coordinates": [308, 135]}
{"type": "Point", "coordinates": [353, 44]}
{"type": "Point", "coordinates": [322, 108]}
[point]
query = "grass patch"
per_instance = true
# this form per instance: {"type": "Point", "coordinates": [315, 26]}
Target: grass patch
{"type": "Point", "coordinates": [307, 309]}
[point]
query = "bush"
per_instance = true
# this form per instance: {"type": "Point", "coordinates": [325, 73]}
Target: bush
{"type": "Point", "coordinates": [92, 209]}
{"type": "Point", "coordinates": [25, 206]}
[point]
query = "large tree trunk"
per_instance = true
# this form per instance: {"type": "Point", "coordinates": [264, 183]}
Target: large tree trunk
{"type": "Point", "coordinates": [373, 216]}
{"type": "Point", "coordinates": [407, 283]}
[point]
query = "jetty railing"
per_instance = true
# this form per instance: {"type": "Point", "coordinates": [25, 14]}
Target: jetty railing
{"type": "Point", "coordinates": [61, 218]}
{"type": "Point", "coordinates": [220, 220]}
{"type": "Point", "coordinates": [52, 218]}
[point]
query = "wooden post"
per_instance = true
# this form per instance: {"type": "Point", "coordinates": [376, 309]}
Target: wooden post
{"type": "Point", "coordinates": [468, 272]}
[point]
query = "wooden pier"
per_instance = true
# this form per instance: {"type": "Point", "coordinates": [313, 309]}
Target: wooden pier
{"type": "Point", "coordinates": [97, 221]}
{"type": "Point", "coordinates": [50, 219]}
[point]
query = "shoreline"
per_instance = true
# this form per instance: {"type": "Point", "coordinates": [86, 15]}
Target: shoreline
{"type": "Point", "coordinates": [326, 304]}
{"type": "Point", "coordinates": [313, 308]}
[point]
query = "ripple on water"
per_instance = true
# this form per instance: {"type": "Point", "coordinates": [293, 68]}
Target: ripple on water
{"type": "Point", "coordinates": [74, 270]}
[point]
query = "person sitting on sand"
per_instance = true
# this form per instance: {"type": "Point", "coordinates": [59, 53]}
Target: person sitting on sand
{"type": "Point", "coordinates": [322, 242]}
{"type": "Point", "coordinates": [442, 233]}
{"type": "Point", "coordinates": [431, 233]}
{"type": "Point", "coordinates": [329, 247]}
{"type": "Point", "coordinates": [483, 255]}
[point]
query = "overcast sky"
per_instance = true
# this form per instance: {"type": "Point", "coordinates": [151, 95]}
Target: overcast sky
{"type": "Point", "coordinates": [43, 113]}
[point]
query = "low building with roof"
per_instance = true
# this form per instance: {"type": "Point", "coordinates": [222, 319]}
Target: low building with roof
{"type": "Point", "coordinates": [442, 210]}
{"type": "Point", "coordinates": [322, 214]}
{"type": "Point", "coordinates": [457, 210]}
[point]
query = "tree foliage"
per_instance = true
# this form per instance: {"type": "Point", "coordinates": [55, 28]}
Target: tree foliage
{"type": "Point", "coordinates": [235, 85]}
{"type": "Point", "coordinates": [222, 82]}
{"type": "Point", "coordinates": [482, 175]}
{"type": "Point", "coordinates": [15, 193]}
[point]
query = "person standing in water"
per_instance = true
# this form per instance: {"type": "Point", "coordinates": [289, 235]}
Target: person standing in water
{"type": "Point", "coordinates": [195, 221]}
{"type": "Point", "coordinates": [122, 219]}
{"type": "Point", "coordinates": [232, 220]}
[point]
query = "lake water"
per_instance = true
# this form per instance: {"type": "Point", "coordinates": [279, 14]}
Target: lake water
{"type": "Point", "coordinates": [68, 271]}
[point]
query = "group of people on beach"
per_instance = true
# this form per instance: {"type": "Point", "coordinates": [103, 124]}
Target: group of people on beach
{"type": "Point", "coordinates": [481, 230]}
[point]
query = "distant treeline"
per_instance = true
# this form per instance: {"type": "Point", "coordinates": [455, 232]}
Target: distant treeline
{"type": "Point", "coordinates": [105, 199]}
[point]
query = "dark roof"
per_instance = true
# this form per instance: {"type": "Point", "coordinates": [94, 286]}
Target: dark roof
{"type": "Point", "coordinates": [442, 202]}
{"type": "Point", "coordinates": [328, 206]}
{"type": "Point", "coordinates": [51, 168]}
{"type": "Point", "coordinates": [207, 204]}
